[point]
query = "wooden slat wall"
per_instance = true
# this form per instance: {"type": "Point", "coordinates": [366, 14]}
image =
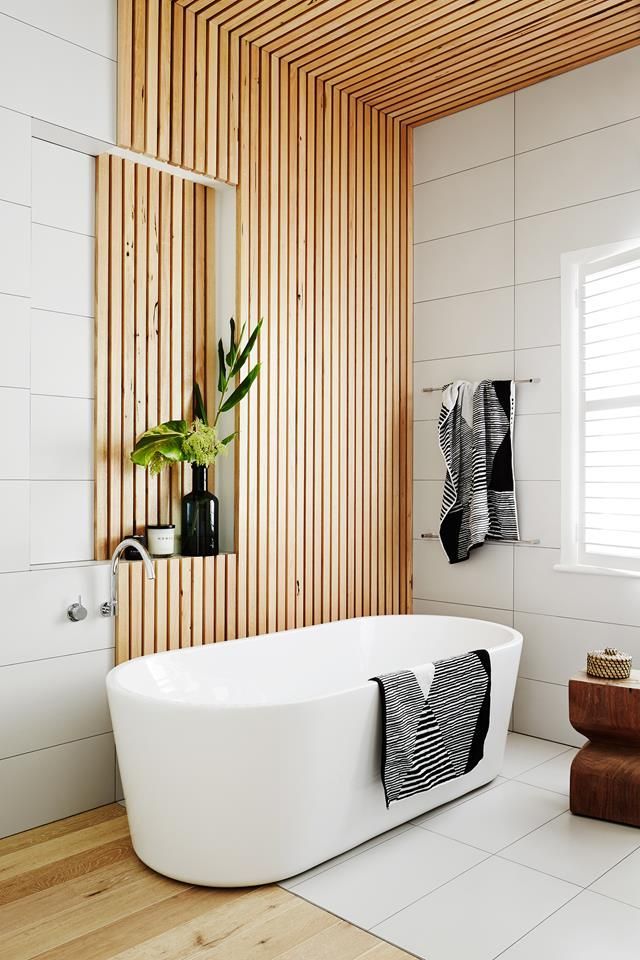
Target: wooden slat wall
{"type": "Point", "coordinates": [155, 332]}
{"type": "Point", "coordinates": [323, 511]}
{"type": "Point", "coordinates": [414, 60]}
{"type": "Point", "coordinates": [190, 602]}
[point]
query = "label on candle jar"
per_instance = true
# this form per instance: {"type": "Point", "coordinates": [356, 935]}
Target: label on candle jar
{"type": "Point", "coordinates": [161, 540]}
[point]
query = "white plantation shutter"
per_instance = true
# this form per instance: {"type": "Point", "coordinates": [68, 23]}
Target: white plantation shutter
{"type": "Point", "coordinates": [606, 412]}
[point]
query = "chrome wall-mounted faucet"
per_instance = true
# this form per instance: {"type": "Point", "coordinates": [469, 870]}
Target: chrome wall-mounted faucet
{"type": "Point", "coordinates": [110, 607]}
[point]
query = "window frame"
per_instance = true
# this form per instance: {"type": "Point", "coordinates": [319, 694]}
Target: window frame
{"type": "Point", "coordinates": [573, 558]}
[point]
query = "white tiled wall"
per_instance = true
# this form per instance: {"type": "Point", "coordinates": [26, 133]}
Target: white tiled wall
{"type": "Point", "coordinates": [57, 64]}
{"type": "Point", "coordinates": [501, 190]}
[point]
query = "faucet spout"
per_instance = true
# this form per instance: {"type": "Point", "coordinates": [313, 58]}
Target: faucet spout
{"type": "Point", "coordinates": [110, 607]}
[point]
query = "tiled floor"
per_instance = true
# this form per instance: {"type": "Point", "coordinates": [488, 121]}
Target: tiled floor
{"type": "Point", "coordinates": [505, 872]}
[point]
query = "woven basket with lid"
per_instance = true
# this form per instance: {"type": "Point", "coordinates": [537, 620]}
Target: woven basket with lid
{"type": "Point", "coordinates": [609, 664]}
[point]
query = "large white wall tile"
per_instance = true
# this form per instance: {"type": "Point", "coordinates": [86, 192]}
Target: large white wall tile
{"type": "Point", "coordinates": [61, 521]}
{"type": "Point", "coordinates": [541, 589]}
{"type": "Point", "coordinates": [14, 523]}
{"type": "Point", "coordinates": [542, 710]}
{"type": "Point", "coordinates": [434, 373]}
{"type": "Point", "coordinates": [465, 263]}
{"type": "Point", "coordinates": [91, 25]}
{"type": "Point", "coordinates": [14, 341]}
{"type": "Point", "coordinates": [54, 701]}
{"type": "Point", "coordinates": [47, 631]}
{"type": "Point", "coordinates": [428, 463]}
{"type": "Point", "coordinates": [439, 609]}
{"type": "Point", "coordinates": [485, 579]}
{"type": "Point", "coordinates": [542, 363]}
{"type": "Point", "coordinates": [537, 322]}
{"type": "Point", "coordinates": [594, 96]}
{"type": "Point", "coordinates": [15, 249]}
{"type": "Point", "coordinates": [427, 500]}
{"type": "Point", "coordinates": [539, 511]}
{"type": "Point", "coordinates": [55, 783]}
{"type": "Point", "coordinates": [61, 438]}
{"type": "Point", "coordinates": [555, 648]}
{"type": "Point", "coordinates": [537, 446]}
{"type": "Point", "coordinates": [63, 188]}
{"type": "Point", "coordinates": [595, 165]}
{"type": "Point", "coordinates": [57, 81]}
{"type": "Point", "coordinates": [475, 198]}
{"type": "Point", "coordinates": [15, 157]}
{"type": "Point", "coordinates": [541, 240]}
{"type": "Point", "coordinates": [14, 450]}
{"type": "Point", "coordinates": [62, 271]}
{"type": "Point", "coordinates": [458, 326]}
{"type": "Point", "coordinates": [61, 354]}
{"type": "Point", "coordinates": [464, 140]}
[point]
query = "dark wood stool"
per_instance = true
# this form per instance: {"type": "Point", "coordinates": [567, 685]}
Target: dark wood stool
{"type": "Point", "coordinates": [605, 775]}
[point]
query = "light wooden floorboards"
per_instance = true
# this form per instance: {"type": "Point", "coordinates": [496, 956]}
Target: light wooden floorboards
{"type": "Point", "coordinates": [75, 890]}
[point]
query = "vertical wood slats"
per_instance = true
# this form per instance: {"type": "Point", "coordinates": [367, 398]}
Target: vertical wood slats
{"type": "Point", "coordinates": [323, 478]}
{"type": "Point", "coordinates": [155, 333]}
{"type": "Point", "coordinates": [190, 602]}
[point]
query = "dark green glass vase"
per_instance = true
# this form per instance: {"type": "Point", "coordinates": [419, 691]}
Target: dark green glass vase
{"type": "Point", "coordinates": [199, 518]}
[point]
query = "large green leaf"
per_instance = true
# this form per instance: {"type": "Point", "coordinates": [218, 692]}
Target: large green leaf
{"type": "Point", "coordinates": [227, 440]}
{"type": "Point", "coordinates": [244, 354]}
{"type": "Point", "coordinates": [242, 390]}
{"type": "Point", "coordinates": [165, 439]}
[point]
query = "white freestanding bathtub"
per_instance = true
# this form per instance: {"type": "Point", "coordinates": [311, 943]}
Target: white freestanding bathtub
{"type": "Point", "coordinates": [247, 762]}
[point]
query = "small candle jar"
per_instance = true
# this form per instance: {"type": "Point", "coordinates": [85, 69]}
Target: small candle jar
{"type": "Point", "coordinates": [161, 539]}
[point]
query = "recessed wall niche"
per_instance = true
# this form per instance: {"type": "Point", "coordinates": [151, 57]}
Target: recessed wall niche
{"type": "Point", "coordinates": [164, 293]}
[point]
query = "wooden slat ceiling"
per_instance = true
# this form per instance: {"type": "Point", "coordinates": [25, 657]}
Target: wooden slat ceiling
{"type": "Point", "coordinates": [422, 59]}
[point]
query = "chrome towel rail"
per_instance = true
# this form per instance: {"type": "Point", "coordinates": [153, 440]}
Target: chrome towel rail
{"type": "Point", "coordinates": [436, 536]}
{"type": "Point", "coordinates": [436, 389]}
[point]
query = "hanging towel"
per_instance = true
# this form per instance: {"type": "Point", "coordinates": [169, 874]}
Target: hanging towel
{"type": "Point", "coordinates": [474, 433]}
{"type": "Point", "coordinates": [434, 723]}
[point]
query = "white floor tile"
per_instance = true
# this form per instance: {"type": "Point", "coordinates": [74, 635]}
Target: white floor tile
{"type": "Point", "coordinates": [419, 821]}
{"type": "Point", "coordinates": [523, 752]}
{"type": "Point", "coordinates": [500, 817]}
{"type": "Point", "coordinates": [622, 882]}
{"type": "Point", "coordinates": [575, 849]}
{"type": "Point", "coordinates": [370, 887]}
{"type": "Point", "coordinates": [347, 855]}
{"type": "Point", "coordinates": [591, 927]}
{"type": "Point", "coordinates": [478, 914]}
{"type": "Point", "coordinates": [552, 775]}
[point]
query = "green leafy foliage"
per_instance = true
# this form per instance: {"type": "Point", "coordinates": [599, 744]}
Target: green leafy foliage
{"type": "Point", "coordinates": [179, 441]}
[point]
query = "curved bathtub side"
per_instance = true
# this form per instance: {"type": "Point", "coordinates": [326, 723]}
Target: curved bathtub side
{"type": "Point", "coordinates": [249, 795]}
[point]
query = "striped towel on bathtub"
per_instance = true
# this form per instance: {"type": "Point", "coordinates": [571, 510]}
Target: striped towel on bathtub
{"type": "Point", "coordinates": [434, 723]}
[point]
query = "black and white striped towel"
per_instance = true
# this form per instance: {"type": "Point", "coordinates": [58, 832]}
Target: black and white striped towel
{"type": "Point", "coordinates": [474, 431]}
{"type": "Point", "coordinates": [434, 723]}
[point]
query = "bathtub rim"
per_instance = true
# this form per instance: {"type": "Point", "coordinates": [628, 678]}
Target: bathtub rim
{"type": "Point", "coordinates": [113, 685]}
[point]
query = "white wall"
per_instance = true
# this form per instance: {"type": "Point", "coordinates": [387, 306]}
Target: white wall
{"type": "Point", "coordinates": [57, 66]}
{"type": "Point", "coordinates": [501, 190]}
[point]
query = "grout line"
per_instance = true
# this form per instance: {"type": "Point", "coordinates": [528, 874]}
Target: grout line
{"type": "Point", "coordinates": [447, 236]}
{"type": "Point", "coordinates": [544, 920]}
{"type": "Point", "coordinates": [62, 313]}
{"type": "Point", "coordinates": [62, 743]}
{"type": "Point", "coordinates": [58, 656]}
{"type": "Point", "coordinates": [576, 136]}
{"type": "Point", "coordinates": [54, 226]}
{"type": "Point", "coordinates": [612, 867]}
{"type": "Point", "coordinates": [57, 36]}
{"type": "Point", "coordinates": [455, 173]}
{"type": "Point", "coordinates": [488, 353]}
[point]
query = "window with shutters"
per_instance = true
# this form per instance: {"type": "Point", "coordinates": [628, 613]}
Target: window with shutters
{"type": "Point", "coordinates": [601, 409]}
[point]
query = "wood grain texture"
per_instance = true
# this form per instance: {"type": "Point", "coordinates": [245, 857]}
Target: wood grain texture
{"type": "Point", "coordinates": [74, 893]}
{"type": "Point", "coordinates": [414, 61]}
{"type": "Point", "coordinates": [323, 459]}
{"type": "Point", "coordinates": [605, 774]}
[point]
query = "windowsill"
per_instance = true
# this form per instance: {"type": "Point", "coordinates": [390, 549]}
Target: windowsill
{"type": "Point", "coordinates": [594, 571]}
